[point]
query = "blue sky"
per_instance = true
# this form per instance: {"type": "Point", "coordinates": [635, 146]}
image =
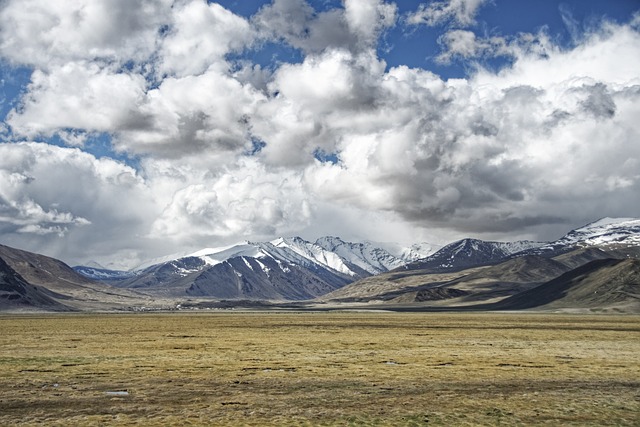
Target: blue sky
{"type": "Point", "coordinates": [134, 129]}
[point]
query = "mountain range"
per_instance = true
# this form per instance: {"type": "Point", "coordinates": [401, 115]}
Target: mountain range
{"type": "Point", "coordinates": [281, 269]}
{"type": "Point", "coordinates": [331, 272]}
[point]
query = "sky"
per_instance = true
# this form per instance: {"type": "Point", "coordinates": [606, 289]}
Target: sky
{"type": "Point", "coordinates": [132, 130]}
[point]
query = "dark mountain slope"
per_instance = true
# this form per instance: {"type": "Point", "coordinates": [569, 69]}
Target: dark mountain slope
{"type": "Point", "coordinates": [582, 256]}
{"type": "Point", "coordinates": [17, 293]}
{"type": "Point", "coordinates": [526, 269]}
{"type": "Point", "coordinates": [598, 284]}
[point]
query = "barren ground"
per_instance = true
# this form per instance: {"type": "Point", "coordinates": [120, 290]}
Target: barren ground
{"type": "Point", "coordinates": [285, 368]}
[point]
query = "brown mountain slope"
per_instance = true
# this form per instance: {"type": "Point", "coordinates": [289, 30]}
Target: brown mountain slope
{"type": "Point", "coordinates": [526, 269]}
{"type": "Point", "coordinates": [390, 285]}
{"type": "Point", "coordinates": [607, 283]}
{"type": "Point", "coordinates": [17, 294]}
{"type": "Point", "coordinates": [472, 286]}
{"type": "Point", "coordinates": [43, 270]}
{"type": "Point", "coordinates": [582, 256]}
{"type": "Point", "coordinates": [64, 284]}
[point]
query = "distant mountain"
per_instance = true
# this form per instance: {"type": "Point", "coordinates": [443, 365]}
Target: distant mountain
{"type": "Point", "coordinates": [282, 269]}
{"type": "Point", "coordinates": [103, 274]}
{"type": "Point", "coordinates": [525, 269]}
{"type": "Point", "coordinates": [610, 234]}
{"type": "Point", "coordinates": [606, 232]}
{"type": "Point", "coordinates": [467, 273]}
{"type": "Point", "coordinates": [44, 271]}
{"type": "Point", "coordinates": [469, 253]}
{"type": "Point", "coordinates": [476, 284]}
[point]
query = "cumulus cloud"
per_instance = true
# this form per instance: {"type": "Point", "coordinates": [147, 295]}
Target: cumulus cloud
{"type": "Point", "coordinates": [200, 36]}
{"type": "Point", "coordinates": [41, 33]}
{"type": "Point", "coordinates": [459, 12]}
{"type": "Point", "coordinates": [206, 112]}
{"type": "Point", "coordinates": [230, 152]}
{"type": "Point", "coordinates": [523, 147]}
{"type": "Point", "coordinates": [78, 95]}
{"type": "Point", "coordinates": [355, 28]}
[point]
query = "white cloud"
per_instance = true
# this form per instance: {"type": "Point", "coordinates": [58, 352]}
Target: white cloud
{"type": "Point", "coordinates": [203, 113]}
{"type": "Point", "coordinates": [355, 27]}
{"type": "Point", "coordinates": [42, 33]}
{"type": "Point", "coordinates": [536, 144]}
{"type": "Point", "coordinates": [78, 95]}
{"type": "Point", "coordinates": [460, 12]}
{"type": "Point", "coordinates": [464, 44]}
{"type": "Point", "coordinates": [366, 18]}
{"type": "Point", "coordinates": [248, 201]}
{"type": "Point", "coordinates": [200, 36]}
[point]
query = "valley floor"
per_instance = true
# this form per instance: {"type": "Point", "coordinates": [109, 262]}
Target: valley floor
{"type": "Point", "coordinates": [287, 368]}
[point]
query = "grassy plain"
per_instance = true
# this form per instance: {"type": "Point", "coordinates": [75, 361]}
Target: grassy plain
{"type": "Point", "coordinates": [280, 368]}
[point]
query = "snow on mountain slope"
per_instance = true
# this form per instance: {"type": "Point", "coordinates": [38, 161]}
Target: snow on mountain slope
{"type": "Point", "coordinates": [366, 256]}
{"type": "Point", "coordinates": [328, 252]}
{"type": "Point", "coordinates": [604, 232]}
{"type": "Point", "coordinates": [293, 268]}
{"type": "Point", "coordinates": [314, 252]}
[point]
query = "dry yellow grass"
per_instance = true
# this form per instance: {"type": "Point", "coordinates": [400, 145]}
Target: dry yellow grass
{"type": "Point", "coordinates": [320, 369]}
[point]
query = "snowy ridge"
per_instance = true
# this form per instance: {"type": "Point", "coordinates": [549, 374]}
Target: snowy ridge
{"type": "Point", "coordinates": [604, 232]}
{"type": "Point", "coordinates": [372, 259]}
{"type": "Point", "coordinates": [282, 269]}
{"type": "Point", "coordinates": [466, 253]}
{"type": "Point", "coordinates": [511, 248]}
